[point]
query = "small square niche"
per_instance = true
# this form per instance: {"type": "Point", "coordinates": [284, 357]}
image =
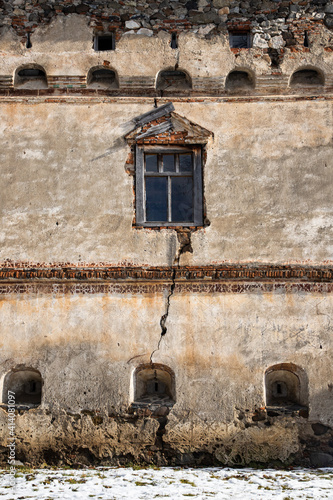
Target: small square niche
{"type": "Point", "coordinates": [104, 42]}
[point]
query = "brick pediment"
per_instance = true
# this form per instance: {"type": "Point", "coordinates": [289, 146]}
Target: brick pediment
{"type": "Point", "coordinates": [163, 126]}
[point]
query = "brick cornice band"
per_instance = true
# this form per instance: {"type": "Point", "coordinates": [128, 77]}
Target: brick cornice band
{"type": "Point", "coordinates": [183, 274]}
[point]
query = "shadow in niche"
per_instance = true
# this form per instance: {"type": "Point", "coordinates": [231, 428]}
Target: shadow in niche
{"type": "Point", "coordinates": [102, 78]}
{"type": "Point", "coordinates": [286, 387]}
{"type": "Point", "coordinates": [26, 385]}
{"type": "Point", "coordinates": [307, 77]}
{"type": "Point", "coordinates": [154, 387]}
{"type": "Point", "coordinates": [173, 81]}
{"type": "Point", "coordinates": [30, 77]}
{"type": "Point", "coordinates": [239, 80]}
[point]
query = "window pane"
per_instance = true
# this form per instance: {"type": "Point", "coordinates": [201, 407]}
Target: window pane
{"type": "Point", "coordinates": [169, 163]}
{"type": "Point", "coordinates": [185, 163]}
{"type": "Point", "coordinates": [239, 41]}
{"type": "Point", "coordinates": [157, 199]}
{"type": "Point", "coordinates": [182, 199]}
{"type": "Point", "coordinates": [151, 163]}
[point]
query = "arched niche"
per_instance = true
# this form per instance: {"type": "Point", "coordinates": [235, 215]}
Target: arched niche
{"type": "Point", "coordinates": [307, 77]}
{"type": "Point", "coordinates": [31, 77]}
{"type": "Point", "coordinates": [171, 80]}
{"type": "Point", "coordinates": [286, 385]}
{"type": "Point", "coordinates": [26, 386]}
{"type": "Point", "coordinates": [102, 78]}
{"type": "Point", "coordinates": [238, 80]}
{"type": "Point", "coordinates": [154, 384]}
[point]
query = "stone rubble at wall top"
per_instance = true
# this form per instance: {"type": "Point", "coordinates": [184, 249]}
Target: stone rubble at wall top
{"type": "Point", "coordinates": [272, 23]}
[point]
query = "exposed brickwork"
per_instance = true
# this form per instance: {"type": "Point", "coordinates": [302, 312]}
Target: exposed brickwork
{"type": "Point", "coordinates": [272, 83]}
{"type": "Point", "coordinates": [241, 272]}
{"type": "Point", "coordinates": [146, 288]}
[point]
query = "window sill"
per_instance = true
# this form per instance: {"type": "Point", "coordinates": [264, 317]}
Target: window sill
{"type": "Point", "coordinates": [159, 226]}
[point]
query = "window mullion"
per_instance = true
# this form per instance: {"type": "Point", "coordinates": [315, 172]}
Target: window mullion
{"type": "Point", "coordinates": [140, 186]}
{"type": "Point", "coordinates": [169, 198]}
{"type": "Point", "coordinates": [175, 174]}
{"type": "Point", "coordinates": [197, 185]}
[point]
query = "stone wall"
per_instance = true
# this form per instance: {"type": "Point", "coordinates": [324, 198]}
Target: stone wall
{"type": "Point", "coordinates": [274, 23]}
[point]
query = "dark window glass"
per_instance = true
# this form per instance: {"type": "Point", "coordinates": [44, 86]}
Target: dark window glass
{"type": "Point", "coordinates": [169, 164]}
{"type": "Point", "coordinates": [181, 199]}
{"type": "Point", "coordinates": [174, 41]}
{"type": "Point", "coordinates": [151, 163]}
{"type": "Point", "coordinates": [156, 199]}
{"type": "Point", "coordinates": [185, 163]}
{"type": "Point", "coordinates": [169, 188]}
{"type": "Point", "coordinates": [239, 40]}
{"type": "Point", "coordinates": [104, 42]}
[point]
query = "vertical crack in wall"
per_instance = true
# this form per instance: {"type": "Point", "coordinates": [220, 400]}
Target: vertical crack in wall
{"type": "Point", "coordinates": [164, 317]}
{"type": "Point", "coordinates": [184, 239]}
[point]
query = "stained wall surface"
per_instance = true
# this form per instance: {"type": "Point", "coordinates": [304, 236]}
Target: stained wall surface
{"type": "Point", "coordinates": [69, 199]}
{"type": "Point", "coordinates": [87, 297]}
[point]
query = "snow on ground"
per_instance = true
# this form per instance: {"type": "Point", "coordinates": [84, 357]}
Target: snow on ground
{"type": "Point", "coordinates": [167, 483]}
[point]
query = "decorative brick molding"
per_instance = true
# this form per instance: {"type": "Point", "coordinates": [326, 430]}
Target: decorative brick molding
{"type": "Point", "coordinates": [97, 96]}
{"type": "Point", "coordinates": [150, 288]}
{"type": "Point", "coordinates": [227, 272]}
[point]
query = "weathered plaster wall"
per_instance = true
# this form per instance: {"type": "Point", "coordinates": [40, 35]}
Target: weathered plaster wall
{"type": "Point", "coordinates": [86, 348]}
{"type": "Point", "coordinates": [224, 341]}
{"type": "Point", "coordinates": [69, 198]}
{"type": "Point", "coordinates": [64, 48]}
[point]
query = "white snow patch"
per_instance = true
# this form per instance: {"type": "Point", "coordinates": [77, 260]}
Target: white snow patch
{"type": "Point", "coordinates": [167, 483]}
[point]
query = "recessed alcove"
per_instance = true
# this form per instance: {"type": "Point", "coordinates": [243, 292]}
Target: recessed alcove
{"type": "Point", "coordinates": [102, 78]}
{"type": "Point", "coordinates": [30, 77]}
{"type": "Point", "coordinates": [26, 386]}
{"type": "Point", "coordinates": [154, 386]}
{"type": "Point", "coordinates": [239, 80]}
{"type": "Point", "coordinates": [171, 80]}
{"type": "Point", "coordinates": [307, 77]}
{"type": "Point", "coordinates": [286, 386]}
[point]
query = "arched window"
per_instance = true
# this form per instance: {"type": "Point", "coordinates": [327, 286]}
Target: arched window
{"type": "Point", "coordinates": [285, 385]}
{"type": "Point", "coordinates": [30, 77]}
{"type": "Point", "coordinates": [307, 77]}
{"type": "Point", "coordinates": [238, 80]}
{"type": "Point", "coordinates": [102, 78]}
{"type": "Point", "coordinates": [154, 385]}
{"type": "Point", "coordinates": [170, 81]}
{"type": "Point", "coordinates": [25, 384]}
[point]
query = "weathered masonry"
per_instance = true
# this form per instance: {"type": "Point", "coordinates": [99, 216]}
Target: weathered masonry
{"type": "Point", "coordinates": [166, 278]}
